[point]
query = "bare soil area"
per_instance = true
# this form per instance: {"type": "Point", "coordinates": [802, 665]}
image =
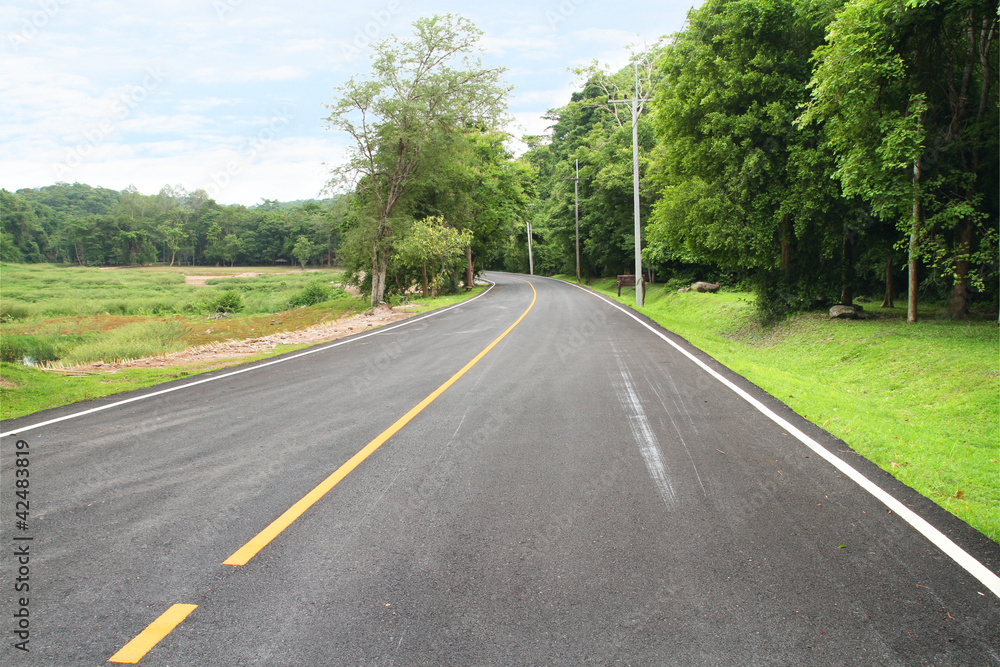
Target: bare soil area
{"type": "Point", "coordinates": [232, 351]}
{"type": "Point", "coordinates": [202, 280]}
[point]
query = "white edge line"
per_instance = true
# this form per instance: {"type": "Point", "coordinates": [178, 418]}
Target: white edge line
{"type": "Point", "coordinates": [247, 369]}
{"type": "Point", "coordinates": [939, 539]}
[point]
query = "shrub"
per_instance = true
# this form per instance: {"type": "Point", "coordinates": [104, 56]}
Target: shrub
{"type": "Point", "coordinates": [228, 302]}
{"type": "Point", "coordinates": [14, 348]}
{"type": "Point", "coordinates": [11, 312]}
{"type": "Point", "coordinates": [312, 294]}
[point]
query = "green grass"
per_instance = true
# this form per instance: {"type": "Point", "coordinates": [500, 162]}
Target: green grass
{"type": "Point", "coordinates": [414, 303]}
{"type": "Point", "coordinates": [132, 341]}
{"type": "Point", "coordinates": [46, 328]}
{"type": "Point", "coordinates": [922, 401]}
{"type": "Point", "coordinates": [33, 291]}
{"type": "Point", "coordinates": [50, 312]}
{"type": "Point", "coordinates": [26, 390]}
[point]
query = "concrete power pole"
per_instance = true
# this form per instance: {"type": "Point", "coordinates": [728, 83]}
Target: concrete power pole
{"type": "Point", "coordinates": [576, 212]}
{"type": "Point", "coordinates": [636, 110]}
{"type": "Point", "coordinates": [531, 261]}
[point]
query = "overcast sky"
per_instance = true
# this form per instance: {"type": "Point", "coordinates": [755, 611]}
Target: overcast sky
{"type": "Point", "coordinates": [228, 95]}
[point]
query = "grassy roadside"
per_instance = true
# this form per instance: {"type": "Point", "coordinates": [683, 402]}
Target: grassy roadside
{"type": "Point", "coordinates": [25, 390]}
{"type": "Point", "coordinates": [921, 401]}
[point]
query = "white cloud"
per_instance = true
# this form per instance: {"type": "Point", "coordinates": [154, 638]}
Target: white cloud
{"type": "Point", "coordinates": [220, 75]}
{"type": "Point", "coordinates": [227, 76]}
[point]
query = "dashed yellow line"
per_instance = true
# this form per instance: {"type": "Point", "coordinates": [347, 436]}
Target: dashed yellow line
{"type": "Point", "coordinates": [132, 652]}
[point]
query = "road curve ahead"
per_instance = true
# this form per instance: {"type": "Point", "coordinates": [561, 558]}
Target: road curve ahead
{"type": "Point", "coordinates": [583, 493]}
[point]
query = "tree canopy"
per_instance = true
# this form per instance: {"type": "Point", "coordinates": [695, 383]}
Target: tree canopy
{"type": "Point", "coordinates": [420, 96]}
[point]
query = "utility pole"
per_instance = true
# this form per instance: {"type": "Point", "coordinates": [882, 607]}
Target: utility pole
{"type": "Point", "coordinates": [576, 211]}
{"type": "Point", "coordinates": [636, 110]}
{"type": "Point", "coordinates": [531, 261]}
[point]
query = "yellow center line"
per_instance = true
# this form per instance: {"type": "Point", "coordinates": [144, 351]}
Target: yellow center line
{"type": "Point", "coordinates": [132, 652]}
{"type": "Point", "coordinates": [264, 537]}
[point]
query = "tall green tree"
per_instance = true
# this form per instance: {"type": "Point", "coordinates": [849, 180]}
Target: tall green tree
{"type": "Point", "coordinates": [419, 92]}
{"type": "Point", "coordinates": [304, 250]}
{"type": "Point", "coordinates": [907, 91]}
{"type": "Point", "coordinates": [741, 186]}
{"type": "Point", "coordinates": [475, 185]}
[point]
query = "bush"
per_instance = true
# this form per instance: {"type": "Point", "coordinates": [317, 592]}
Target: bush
{"type": "Point", "coordinates": [229, 302]}
{"type": "Point", "coordinates": [14, 348]}
{"type": "Point", "coordinates": [11, 312]}
{"type": "Point", "coordinates": [313, 294]}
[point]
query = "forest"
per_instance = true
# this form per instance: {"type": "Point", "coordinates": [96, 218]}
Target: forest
{"type": "Point", "coordinates": [812, 151]}
{"type": "Point", "coordinates": [93, 226]}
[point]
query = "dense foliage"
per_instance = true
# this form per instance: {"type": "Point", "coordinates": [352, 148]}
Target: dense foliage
{"type": "Point", "coordinates": [780, 151]}
{"type": "Point", "coordinates": [420, 127]}
{"type": "Point", "coordinates": [80, 224]}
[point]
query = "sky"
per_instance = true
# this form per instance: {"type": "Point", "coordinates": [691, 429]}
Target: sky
{"type": "Point", "coordinates": [229, 95]}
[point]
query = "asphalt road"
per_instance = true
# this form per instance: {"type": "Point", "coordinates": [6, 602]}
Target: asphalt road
{"type": "Point", "coordinates": [583, 494]}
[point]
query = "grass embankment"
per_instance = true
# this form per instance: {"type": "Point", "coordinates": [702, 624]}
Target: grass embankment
{"type": "Point", "coordinates": [73, 315]}
{"type": "Point", "coordinates": [922, 401]}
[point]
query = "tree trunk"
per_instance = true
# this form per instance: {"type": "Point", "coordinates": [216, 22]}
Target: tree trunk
{"type": "Point", "coordinates": [380, 265]}
{"type": "Point", "coordinates": [786, 246]}
{"type": "Point", "coordinates": [917, 224]}
{"type": "Point", "coordinates": [424, 290]}
{"type": "Point", "coordinates": [847, 272]}
{"type": "Point", "coordinates": [977, 40]}
{"type": "Point", "coordinates": [959, 306]}
{"type": "Point", "coordinates": [889, 288]}
{"type": "Point", "coordinates": [470, 274]}
{"type": "Point", "coordinates": [380, 261]}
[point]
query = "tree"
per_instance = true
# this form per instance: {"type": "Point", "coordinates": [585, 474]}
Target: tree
{"type": "Point", "coordinates": [740, 186]}
{"type": "Point", "coordinates": [304, 250]}
{"type": "Point", "coordinates": [419, 92]}
{"type": "Point", "coordinates": [431, 241]}
{"type": "Point", "coordinates": [24, 239]}
{"type": "Point", "coordinates": [475, 185]}
{"type": "Point", "coordinates": [172, 235]}
{"type": "Point", "coordinates": [893, 86]}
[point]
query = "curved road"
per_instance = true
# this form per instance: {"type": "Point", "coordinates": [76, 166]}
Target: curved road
{"type": "Point", "coordinates": [585, 493]}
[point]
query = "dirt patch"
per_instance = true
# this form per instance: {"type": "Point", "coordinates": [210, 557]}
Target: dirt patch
{"type": "Point", "coordinates": [202, 280]}
{"type": "Point", "coordinates": [224, 353]}
{"type": "Point", "coordinates": [7, 384]}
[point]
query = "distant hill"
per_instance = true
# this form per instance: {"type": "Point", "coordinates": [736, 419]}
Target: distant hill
{"type": "Point", "coordinates": [76, 200]}
{"type": "Point", "coordinates": [71, 200]}
{"type": "Point", "coordinates": [274, 204]}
